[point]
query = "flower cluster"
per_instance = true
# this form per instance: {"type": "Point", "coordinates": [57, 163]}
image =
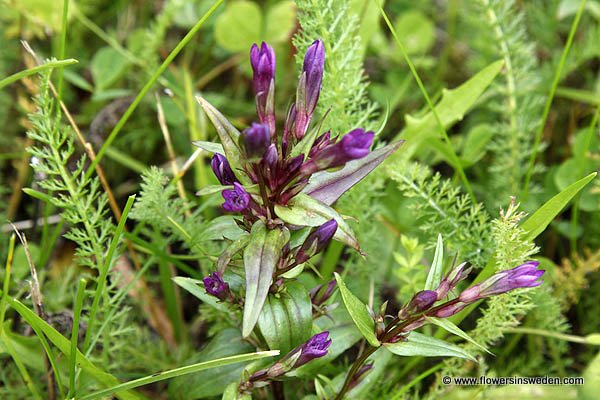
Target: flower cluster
{"type": "Point", "coordinates": [270, 158]}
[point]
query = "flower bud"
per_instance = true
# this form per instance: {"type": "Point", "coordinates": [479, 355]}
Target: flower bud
{"type": "Point", "coordinates": [316, 241]}
{"type": "Point", "coordinates": [255, 140]}
{"type": "Point", "coordinates": [450, 281]}
{"type": "Point", "coordinates": [215, 286]}
{"type": "Point", "coordinates": [236, 199]}
{"type": "Point", "coordinates": [321, 293]}
{"type": "Point", "coordinates": [360, 374]}
{"type": "Point", "coordinates": [222, 169]}
{"type": "Point", "coordinates": [449, 310]}
{"type": "Point", "coordinates": [263, 66]}
{"type": "Point", "coordinates": [309, 86]}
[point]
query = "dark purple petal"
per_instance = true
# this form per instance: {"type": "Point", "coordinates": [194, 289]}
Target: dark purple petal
{"type": "Point", "coordinates": [222, 169]}
{"type": "Point", "coordinates": [215, 286]}
{"type": "Point", "coordinates": [357, 143]}
{"type": "Point", "coordinates": [256, 140]}
{"type": "Point", "coordinates": [236, 199]}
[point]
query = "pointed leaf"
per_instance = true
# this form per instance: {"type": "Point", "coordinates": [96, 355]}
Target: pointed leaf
{"type": "Point", "coordinates": [228, 134]}
{"type": "Point", "coordinates": [329, 186]}
{"type": "Point", "coordinates": [540, 219]}
{"type": "Point", "coordinates": [426, 346]}
{"type": "Point", "coordinates": [211, 147]}
{"type": "Point", "coordinates": [451, 108]}
{"type": "Point", "coordinates": [286, 318]}
{"type": "Point", "coordinates": [260, 258]}
{"type": "Point", "coordinates": [303, 210]}
{"type": "Point", "coordinates": [435, 273]}
{"type": "Point", "coordinates": [359, 313]}
{"type": "Point", "coordinates": [452, 328]}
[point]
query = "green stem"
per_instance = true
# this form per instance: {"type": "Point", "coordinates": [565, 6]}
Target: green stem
{"type": "Point", "coordinates": [557, 76]}
{"type": "Point", "coordinates": [63, 41]}
{"type": "Point", "coordinates": [30, 71]}
{"type": "Point", "coordinates": [75, 335]}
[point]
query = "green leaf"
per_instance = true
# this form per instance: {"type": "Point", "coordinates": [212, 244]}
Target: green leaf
{"type": "Point", "coordinates": [540, 219]}
{"type": "Point", "coordinates": [189, 369]}
{"type": "Point", "coordinates": [211, 147]}
{"type": "Point", "coordinates": [281, 18]}
{"type": "Point", "coordinates": [228, 134]}
{"type": "Point", "coordinates": [260, 259]}
{"type": "Point", "coordinates": [107, 66]}
{"type": "Point", "coordinates": [358, 312]}
{"type": "Point", "coordinates": [417, 31]}
{"type": "Point", "coordinates": [64, 345]}
{"type": "Point", "coordinates": [303, 210]}
{"type": "Point", "coordinates": [196, 288]}
{"type": "Point", "coordinates": [434, 277]}
{"type": "Point", "coordinates": [235, 247]}
{"type": "Point", "coordinates": [590, 390]}
{"type": "Point", "coordinates": [450, 327]}
{"type": "Point", "coordinates": [239, 26]}
{"type": "Point", "coordinates": [286, 318]}
{"type": "Point", "coordinates": [426, 346]}
{"type": "Point", "coordinates": [212, 189]}
{"type": "Point", "coordinates": [451, 108]}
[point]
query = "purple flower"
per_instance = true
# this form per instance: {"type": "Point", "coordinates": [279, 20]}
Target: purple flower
{"type": "Point", "coordinates": [451, 280]}
{"type": "Point", "coordinates": [523, 276]}
{"type": "Point", "coordinates": [315, 347]}
{"type": "Point", "coordinates": [215, 286]}
{"type": "Point", "coordinates": [222, 169]}
{"type": "Point", "coordinates": [309, 86]}
{"type": "Point", "coordinates": [263, 65]}
{"type": "Point", "coordinates": [236, 199]}
{"type": "Point", "coordinates": [354, 145]}
{"type": "Point", "coordinates": [256, 140]}
{"type": "Point", "coordinates": [316, 241]}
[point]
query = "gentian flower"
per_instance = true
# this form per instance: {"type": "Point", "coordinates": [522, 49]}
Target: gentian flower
{"type": "Point", "coordinates": [263, 65]}
{"type": "Point", "coordinates": [523, 276]}
{"type": "Point", "coordinates": [354, 145]}
{"type": "Point", "coordinates": [450, 281]}
{"type": "Point", "coordinates": [236, 199]}
{"type": "Point", "coordinates": [215, 286]}
{"type": "Point", "coordinates": [222, 169]}
{"type": "Point", "coordinates": [316, 241]}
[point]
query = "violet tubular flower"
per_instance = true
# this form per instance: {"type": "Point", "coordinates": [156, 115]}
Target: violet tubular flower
{"type": "Point", "coordinates": [354, 145]}
{"type": "Point", "coordinates": [222, 170]}
{"type": "Point", "coordinates": [236, 199]}
{"type": "Point", "coordinates": [216, 286]}
{"type": "Point", "coordinates": [316, 347]}
{"type": "Point", "coordinates": [523, 276]}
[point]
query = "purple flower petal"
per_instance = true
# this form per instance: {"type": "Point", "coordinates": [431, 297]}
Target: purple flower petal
{"type": "Point", "coordinates": [236, 199]}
